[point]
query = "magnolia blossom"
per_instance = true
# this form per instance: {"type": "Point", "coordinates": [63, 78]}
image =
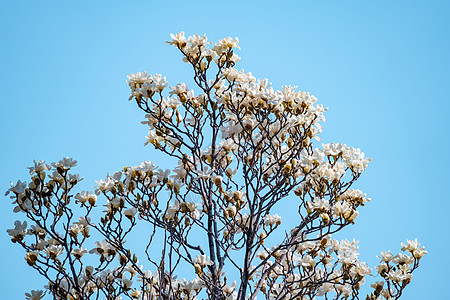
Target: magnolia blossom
{"type": "Point", "coordinates": [86, 196]}
{"type": "Point", "coordinates": [130, 212]}
{"type": "Point", "coordinates": [35, 295]}
{"type": "Point", "coordinates": [19, 231]}
{"type": "Point", "coordinates": [203, 260]}
{"type": "Point", "coordinates": [105, 185]}
{"type": "Point", "coordinates": [386, 256]}
{"type": "Point", "coordinates": [178, 40]}
{"type": "Point", "coordinates": [53, 251]}
{"type": "Point", "coordinates": [65, 164]}
{"type": "Point", "coordinates": [78, 253]}
{"type": "Point", "coordinates": [39, 167]}
{"type": "Point", "coordinates": [272, 220]}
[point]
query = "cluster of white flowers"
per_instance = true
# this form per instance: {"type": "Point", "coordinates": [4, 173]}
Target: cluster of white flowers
{"type": "Point", "coordinates": [314, 267]}
{"type": "Point", "coordinates": [125, 182]}
{"type": "Point", "coordinates": [313, 262]}
{"type": "Point", "coordinates": [86, 196]}
{"type": "Point", "coordinates": [45, 244]}
{"type": "Point", "coordinates": [196, 51]}
{"type": "Point", "coordinates": [124, 277]}
{"type": "Point", "coordinates": [186, 208]}
{"type": "Point", "coordinates": [146, 85]}
{"type": "Point", "coordinates": [271, 220]}
{"type": "Point", "coordinates": [25, 195]}
{"type": "Point", "coordinates": [344, 206]}
{"type": "Point", "coordinates": [242, 146]}
{"type": "Point", "coordinates": [396, 270]}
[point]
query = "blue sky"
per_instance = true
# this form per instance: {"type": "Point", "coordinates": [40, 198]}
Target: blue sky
{"type": "Point", "coordinates": [382, 68]}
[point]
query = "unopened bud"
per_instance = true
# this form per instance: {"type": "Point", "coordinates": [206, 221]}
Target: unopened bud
{"type": "Point", "coordinates": [218, 180]}
{"type": "Point", "coordinates": [325, 218]}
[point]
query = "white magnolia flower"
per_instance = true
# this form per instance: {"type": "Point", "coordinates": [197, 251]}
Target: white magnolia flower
{"type": "Point", "coordinates": [205, 173]}
{"type": "Point", "coordinates": [203, 260]}
{"type": "Point", "coordinates": [66, 163]}
{"type": "Point", "coordinates": [86, 196]}
{"type": "Point", "coordinates": [411, 245]}
{"type": "Point", "coordinates": [35, 295]}
{"type": "Point", "coordinates": [130, 212]}
{"type": "Point", "coordinates": [17, 188]}
{"type": "Point", "coordinates": [386, 256]}
{"type": "Point", "coordinates": [78, 253]}
{"type": "Point", "coordinates": [105, 185]}
{"type": "Point", "coordinates": [271, 220]}
{"type": "Point", "coordinates": [163, 175]}
{"type": "Point", "coordinates": [127, 283]}
{"type": "Point", "coordinates": [19, 230]}
{"type": "Point", "coordinates": [54, 251]}
{"type": "Point", "coordinates": [401, 258]}
{"type": "Point", "coordinates": [178, 40]}
{"type": "Point", "coordinates": [39, 167]}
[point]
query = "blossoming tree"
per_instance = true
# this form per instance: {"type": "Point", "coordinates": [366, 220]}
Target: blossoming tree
{"type": "Point", "coordinates": [242, 148]}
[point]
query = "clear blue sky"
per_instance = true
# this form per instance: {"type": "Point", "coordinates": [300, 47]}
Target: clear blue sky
{"type": "Point", "coordinates": [382, 68]}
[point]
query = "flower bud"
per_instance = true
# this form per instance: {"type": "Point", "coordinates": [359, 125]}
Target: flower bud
{"type": "Point", "coordinates": [325, 218]}
{"type": "Point", "coordinates": [31, 257]}
{"type": "Point", "coordinates": [89, 271]}
{"type": "Point", "coordinates": [218, 181]}
{"type": "Point", "coordinates": [198, 269]}
{"type": "Point", "coordinates": [230, 172]}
